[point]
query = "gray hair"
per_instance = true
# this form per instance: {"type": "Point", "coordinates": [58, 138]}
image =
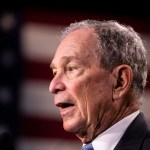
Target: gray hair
{"type": "Point", "coordinates": [119, 44]}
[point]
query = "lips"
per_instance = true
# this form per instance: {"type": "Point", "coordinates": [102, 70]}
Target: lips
{"type": "Point", "coordinates": [63, 105]}
{"type": "Point", "coordinates": [66, 108]}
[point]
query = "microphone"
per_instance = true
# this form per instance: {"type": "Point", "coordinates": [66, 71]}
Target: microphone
{"type": "Point", "coordinates": [5, 141]}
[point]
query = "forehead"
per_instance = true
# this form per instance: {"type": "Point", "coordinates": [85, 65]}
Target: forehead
{"type": "Point", "coordinates": [81, 43]}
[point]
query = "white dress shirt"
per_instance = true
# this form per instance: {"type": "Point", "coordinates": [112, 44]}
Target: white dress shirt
{"type": "Point", "coordinates": [109, 138]}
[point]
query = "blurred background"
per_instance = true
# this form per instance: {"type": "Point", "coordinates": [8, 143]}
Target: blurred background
{"type": "Point", "coordinates": [29, 35]}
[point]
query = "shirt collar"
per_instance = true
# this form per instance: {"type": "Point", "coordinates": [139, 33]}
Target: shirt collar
{"type": "Point", "coordinates": [109, 138]}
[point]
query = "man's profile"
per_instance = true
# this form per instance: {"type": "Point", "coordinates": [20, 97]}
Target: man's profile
{"type": "Point", "coordinates": [100, 72]}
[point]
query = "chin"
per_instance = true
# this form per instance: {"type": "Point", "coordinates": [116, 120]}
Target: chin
{"type": "Point", "coordinates": [70, 127]}
{"type": "Point", "coordinates": [74, 126]}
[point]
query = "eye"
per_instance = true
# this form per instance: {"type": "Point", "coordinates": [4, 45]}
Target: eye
{"type": "Point", "coordinates": [54, 72]}
{"type": "Point", "coordinates": [71, 68]}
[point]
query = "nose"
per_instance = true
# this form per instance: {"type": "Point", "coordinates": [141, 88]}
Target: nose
{"type": "Point", "coordinates": [56, 85]}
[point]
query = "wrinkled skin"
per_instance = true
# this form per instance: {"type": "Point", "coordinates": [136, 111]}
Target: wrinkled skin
{"type": "Point", "coordinates": [82, 89]}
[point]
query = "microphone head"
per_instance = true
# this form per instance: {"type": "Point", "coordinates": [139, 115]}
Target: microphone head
{"type": "Point", "coordinates": [5, 141]}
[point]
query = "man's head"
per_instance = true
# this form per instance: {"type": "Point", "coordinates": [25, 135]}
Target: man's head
{"type": "Point", "coordinates": [99, 72]}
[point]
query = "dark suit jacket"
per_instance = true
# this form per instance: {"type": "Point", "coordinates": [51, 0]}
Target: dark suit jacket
{"type": "Point", "coordinates": [136, 137]}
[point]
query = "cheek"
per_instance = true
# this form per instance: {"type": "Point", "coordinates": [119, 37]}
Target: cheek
{"type": "Point", "coordinates": [80, 91]}
{"type": "Point", "coordinates": [92, 95]}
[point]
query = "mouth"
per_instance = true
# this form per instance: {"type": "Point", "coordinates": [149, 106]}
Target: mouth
{"type": "Point", "coordinates": [63, 105]}
{"type": "Point", "coordinates": [66, 108]}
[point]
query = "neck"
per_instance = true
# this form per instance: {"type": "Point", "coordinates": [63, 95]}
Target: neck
{"type": "Point", "coordinates": [108, 119]}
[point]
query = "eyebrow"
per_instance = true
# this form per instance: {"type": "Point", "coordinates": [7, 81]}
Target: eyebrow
{"type": "Point", "coordinates": [64, 59]}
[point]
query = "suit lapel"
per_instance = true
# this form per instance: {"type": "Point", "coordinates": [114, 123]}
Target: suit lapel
{"type": "Point", "coordinates": [134, 135]}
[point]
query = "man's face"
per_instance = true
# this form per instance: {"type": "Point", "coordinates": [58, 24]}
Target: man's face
{"type": "Point", "coordinates": [82, 89]}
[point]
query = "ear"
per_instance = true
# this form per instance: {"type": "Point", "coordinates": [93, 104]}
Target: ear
{"type": "Point", "coordinates": [123, 78]}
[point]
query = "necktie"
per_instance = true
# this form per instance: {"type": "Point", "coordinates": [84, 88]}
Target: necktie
{"type": "Point", "coordinates": [88, 147]}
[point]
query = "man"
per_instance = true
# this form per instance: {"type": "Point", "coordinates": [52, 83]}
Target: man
{"type": "Point", "coordinates": [100, 72]}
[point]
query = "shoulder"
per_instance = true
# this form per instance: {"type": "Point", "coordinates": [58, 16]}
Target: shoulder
{"type": "Point", "coordinates": [146, 142]}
